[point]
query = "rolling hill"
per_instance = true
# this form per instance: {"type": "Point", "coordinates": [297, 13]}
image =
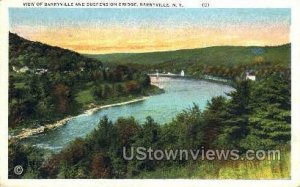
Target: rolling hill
{"type": "Point", "coordinates": [35, 55]}
{"type": "Point", "coordinates": [217, 56]}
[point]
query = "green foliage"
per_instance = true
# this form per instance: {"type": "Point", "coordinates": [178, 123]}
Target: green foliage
{"type": "Point", "coordinates": [228, 62]}
{"type": "Point", "coordinates": [224, 170]}
{"type": "Point", "coordinates": [60, 82]}
{"type": "Point", "coordinates": [188, 125]}
{"type": "Point", "coordinates": [255, 116]}
{"type": "Point", "coordinates": [222, 55]}
{"type": "Point", "coordinates": [29, 158]}
{"type": "Point", "coordinates": [213, 120]}
{"type": "Point", "coordinates": [236, 116]}
{"type": "Point", "coordinates": [85, 96]}
{"type": "Point", "coordinates": [270, 119]}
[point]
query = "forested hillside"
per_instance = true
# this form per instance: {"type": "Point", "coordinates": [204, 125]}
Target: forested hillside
{"type": "Point", "coordinates": [36, 55]}
{"type": "Point", "coordinates": [222, 61]}
{"type": "Point", "coordinates": [48, 83]}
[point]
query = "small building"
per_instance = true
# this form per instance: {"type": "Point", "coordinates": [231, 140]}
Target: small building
{"type": "Point", "coordinates": [250, 76]}
{"type": "Point", "coordinates": [41, 71]}
{"type": "Point", "coordinates": [182, 73]}
{"type": "Point", "coordinates": [20, 70]}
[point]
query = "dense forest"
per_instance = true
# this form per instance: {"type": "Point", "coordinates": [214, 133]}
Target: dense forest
{"type": "Point", "coordinates": [48, 83]}
{"type": "Point", "coordinates": [255, 116]}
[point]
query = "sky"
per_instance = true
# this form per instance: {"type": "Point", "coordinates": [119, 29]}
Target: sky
{"type": "Point", "coordinates": [101, 31]}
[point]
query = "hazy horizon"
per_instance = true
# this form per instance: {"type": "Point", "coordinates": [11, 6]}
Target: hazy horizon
{"type": "Point", "coordinates": [130, 52]}
{"type": "Point", "coordinates": [106, 31]}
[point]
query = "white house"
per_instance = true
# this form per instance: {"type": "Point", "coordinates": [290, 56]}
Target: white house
{"type": "Point", "coordinates": [250, 76]}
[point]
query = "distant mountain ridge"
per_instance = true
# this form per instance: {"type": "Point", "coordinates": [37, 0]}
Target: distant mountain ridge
{"type": "Point", "coordinates": [218, 55]}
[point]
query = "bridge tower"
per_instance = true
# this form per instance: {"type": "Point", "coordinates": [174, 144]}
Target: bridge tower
{"type": "Point", "coordinates": [182, 73]}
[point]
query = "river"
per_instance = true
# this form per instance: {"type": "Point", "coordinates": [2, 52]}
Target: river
{"type": "Point", "coordinates": [179, 94]}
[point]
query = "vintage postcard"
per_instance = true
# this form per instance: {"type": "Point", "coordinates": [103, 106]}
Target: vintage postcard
{"type": "Point", "coordinates": [197, 92]}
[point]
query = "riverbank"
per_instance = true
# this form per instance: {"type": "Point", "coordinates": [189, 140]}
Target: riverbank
{"type": "Point", "coordinates": [27, 132]}
{"type": "Point", "coordinates": [229, 82]}
{"type": "Point", "coordinates": [213, 79]}
{"type": "Point", "coordinates": [179, 95]}
{"type": "Point", "coordinates": [95, 109]}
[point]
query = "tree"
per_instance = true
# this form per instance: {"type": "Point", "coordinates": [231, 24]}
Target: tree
{"type": "Point", "coordinates": [132, 86]}
{"type": "Point", "coordinates": [119, 89]}
{"type": "Point", "coordinates": [103, 137]}
{"type": "Point", "coordinates": [269, 127]}
{"type": "Point", "coordinates": [75, 152]}
{"type": "Point", "coordinates": [270, 120]}
{"type": "Point", "coordinates": [62, 94]}
{"type": "Point", "coordinates": [213, 118]}
{"type": "Point", "coordinates": [100, 166]}
{"type": "Point", "coordinates": [127, 129]}
{"type": "Point", "coordinates": [98, 92]}
{"type": "Point", "coordinates": [30, 158]}
{"type": "Point", "coordinates": [144, 80]}
{"type": "Point", "coordinates": [236, 117]}
{"type": "Point", "coordinates": [147, 137]}
{"type": "Point", "coordinates": [185, 131]}
{"type": "Point", "coordinates": [107, 92]}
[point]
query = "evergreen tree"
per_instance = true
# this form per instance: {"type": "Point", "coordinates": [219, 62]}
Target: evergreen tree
{"type": "Point", "coordinates": [213, 120]}
{"type": "Point", "coordinates": [270, 120]}
{"type": "Point", "coordinates": [236, 117]}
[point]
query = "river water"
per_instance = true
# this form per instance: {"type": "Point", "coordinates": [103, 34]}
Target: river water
{"type": "Point", "coordinates": [179, 94]}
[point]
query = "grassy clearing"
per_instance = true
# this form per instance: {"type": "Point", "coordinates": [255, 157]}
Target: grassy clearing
{"type": "Point", "coordinates": [255, 169]}
{"type": "Point", "coordinates": [85, 97]}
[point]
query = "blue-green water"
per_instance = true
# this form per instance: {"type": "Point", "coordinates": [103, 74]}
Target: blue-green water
{"type": "Point", "coordinates": [179, 94]}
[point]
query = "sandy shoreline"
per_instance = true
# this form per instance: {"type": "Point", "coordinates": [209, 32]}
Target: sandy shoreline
{"type": "Point", "coordinates": [95, 109]}
{"type": "Point", "coordinates": [25, 133]}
